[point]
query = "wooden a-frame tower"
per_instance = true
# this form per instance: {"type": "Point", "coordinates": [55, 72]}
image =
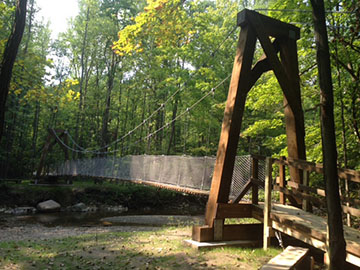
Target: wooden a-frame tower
{"type": "Point", "coordinates": [275, 38]}
{"type": "Point", "coordinates": [51, 140]}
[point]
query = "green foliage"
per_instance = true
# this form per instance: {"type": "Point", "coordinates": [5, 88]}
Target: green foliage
{"type": "Point", "coordinates": [119, 61]}
{"type": "Point", "coordinates": [131, 195]}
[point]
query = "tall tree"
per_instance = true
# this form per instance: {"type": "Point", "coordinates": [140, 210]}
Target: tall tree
{"type": "Point", "coordinates": [337, 245]}
{"type": "Point", "coordinates": [9, 57]}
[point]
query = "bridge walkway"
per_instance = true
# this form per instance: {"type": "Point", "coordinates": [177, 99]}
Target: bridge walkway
{"type": "Point", "coordinates": [274, 207]}
{"type": "Point", "coordinates": [307, 227]}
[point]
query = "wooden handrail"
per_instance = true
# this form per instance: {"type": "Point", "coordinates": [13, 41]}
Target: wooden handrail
{"type": "Point", "coordinates": [296, 191]}
{"type": "Point", "coordinates": [301, 191]}
{"type": "Point", "coordinates": [321, 192]}
{"type": "Point", "coordinates": [317, 191]}
{"type": "Point", "coordinates": [316, 201]}
{"type": "Point", "coordinates": [347, 174]}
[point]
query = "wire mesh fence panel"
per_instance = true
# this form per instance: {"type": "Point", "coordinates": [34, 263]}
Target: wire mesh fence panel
{"type": "Point", "coordinates": [170, 170]}
{"type": "Point", "coordinates": [73, 168]}
{"type": "Point", "coordinates": [261, 177]}
{"type": "Point", "coordinates": [261, 171]}
{"type": "Point", "coordinates": [106, 167]}
{"type": "Point", "coordinates": [83, 167]}
{"type": "Point", "coordinates": [115, 168]}
{"type": "Point", "coordinates": [124, 168]}
{"type": "Point", "coordinates": [241, 175]}
{"type": "Point", "coordinates": [182, 171]}
{"type": "Point", "coordinates": [152, 168]}
{"type": "Point", "coordinates": [191, 172]}
{"type": "Point", "coordinates": [136, 167]}
{"type": "Point", "coordinates": [209, 165]}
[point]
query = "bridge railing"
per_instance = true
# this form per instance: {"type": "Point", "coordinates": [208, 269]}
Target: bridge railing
{"type": "Point", "coordinates": [181, 171]}
{"type": "Point", "coordinates": [310, 195]}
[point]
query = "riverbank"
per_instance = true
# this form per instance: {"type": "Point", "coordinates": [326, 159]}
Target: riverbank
{"type": "Point", "coordinates": [101, 197]}
{"type": "Point", "coordinates": [49, 226]}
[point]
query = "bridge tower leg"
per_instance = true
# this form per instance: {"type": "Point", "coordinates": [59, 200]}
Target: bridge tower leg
{"type": "Point", "coordinates": [54, 137]}
{"type": "Point", "coordinates": [244, 75]}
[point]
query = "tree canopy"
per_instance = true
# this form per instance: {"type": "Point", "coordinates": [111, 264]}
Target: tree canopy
{"type": "Point", "coordinates": [125, 73]}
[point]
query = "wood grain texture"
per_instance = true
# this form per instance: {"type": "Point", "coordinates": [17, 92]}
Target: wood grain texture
{"type": "Point", "coordinates": [303, 225]}
{"type": "Point", "coordinates": [229, 137]}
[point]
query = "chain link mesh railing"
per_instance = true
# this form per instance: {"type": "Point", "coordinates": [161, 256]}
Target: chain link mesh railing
{"type": "Point", "coordinates": [180, 171]}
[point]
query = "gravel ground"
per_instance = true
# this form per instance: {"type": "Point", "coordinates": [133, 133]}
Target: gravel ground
{"type": "Point", "coordinates": [33, 232]}
{"type": "Point", "coordinates": [17, 228]}
{"type": "Point", "coordinates": [155, 220]}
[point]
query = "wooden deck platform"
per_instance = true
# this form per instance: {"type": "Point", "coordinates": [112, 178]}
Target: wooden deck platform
{"type": "Point", "coordinates": [308, 228]}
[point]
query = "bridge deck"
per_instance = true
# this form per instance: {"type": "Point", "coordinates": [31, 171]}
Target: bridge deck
{"type": "Point", "coordinates": [308, 228]}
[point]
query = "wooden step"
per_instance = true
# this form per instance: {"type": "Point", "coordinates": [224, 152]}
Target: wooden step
{"type": "Point", "coordinates": [292, 258]}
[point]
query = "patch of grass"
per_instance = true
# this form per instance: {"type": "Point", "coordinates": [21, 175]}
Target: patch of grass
{"type": "Point", "coordinates": [241, 221]}
{"type": "Point", "coordinates": [155, 250]}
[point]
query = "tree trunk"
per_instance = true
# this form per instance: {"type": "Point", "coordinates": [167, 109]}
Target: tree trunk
{"type": "Point", "coordinates": [354, 110]}
{"type": "Point", "coordinates": [9, 138]}
{"type": "Point", "coordinates": [343, 132]}
{"type": "Point", "coordinates": [118, 118]}
{"type": "Point", "coordinates": [30, 25]}
{"type": "Point", "coordinates": [110, 86]}
{"type": "Point", "coordinates": [35, 127]}
{"type": "Point", "coordinates": [83, 63]}
{"type": "Point", "coordinates": [337, 245]}
{"type": "Point", "coordinates": [131, 146]}
{"type": "Point", "coordinates": [9, 57]}
{"type": "Point", "coordinates": [98, 111]}
{"type": "Point", "coordinates": [172, 135]}
{"type": "Point", "coordinates": [141, 147]}
{"type": "Point", "coordinates": [125, 122]}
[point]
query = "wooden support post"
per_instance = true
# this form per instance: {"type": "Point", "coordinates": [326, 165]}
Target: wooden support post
{"type": "Point", "coordinates": [243, 191]}
{"type": "Point", "coordinates": [244, 75]}
{"type": "Point", "coordinates": [51, 140]}
{"type": "Point", "coordinates": [294, 117]}
{"type": "Point", "coordinates": [306, 203]}
{"type": "Point", "coordinates": [230, 131]}
{"type": "Point", "coordinates": [218, 229]}
{"type": "Point", "coordinates": [287, 73]}
{"type": "Point", "coordinates": [46, 148]}
{"type": "Point", "coordinates": [282, 182]}
{"type": "Point", "coordinates": [254, 175]}
{"type": "Point", "coordinates": [267, 203]}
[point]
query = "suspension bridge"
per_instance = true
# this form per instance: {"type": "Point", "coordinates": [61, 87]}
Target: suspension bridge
{"type": "Point", "coordinates": [221, 178]}
{"type": "Point", "coordinates": [181, 173]}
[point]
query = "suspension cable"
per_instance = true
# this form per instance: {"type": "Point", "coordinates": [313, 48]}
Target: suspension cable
{"type": "Point", "coordinates": [151, 134]}
{"type": "Point", "coordinates": [161, 107]}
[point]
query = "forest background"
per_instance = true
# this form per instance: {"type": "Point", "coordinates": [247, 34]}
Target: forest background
{"type": "Point", "coordinates": [127, 65]}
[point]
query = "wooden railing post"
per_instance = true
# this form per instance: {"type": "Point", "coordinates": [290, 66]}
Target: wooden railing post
{"type": "Point", "coordinates": [255, 175]}
{"type": "Point", "coordinates": [306, 203]}
{"type": "Point", "coordinates": [348, 216]}
{"type": "Point", "coordinates": [267, 202]}
{"type": "Point", "coordinates": [218, 229]}
{"type": "Point", "coordinates": [282, 182]}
